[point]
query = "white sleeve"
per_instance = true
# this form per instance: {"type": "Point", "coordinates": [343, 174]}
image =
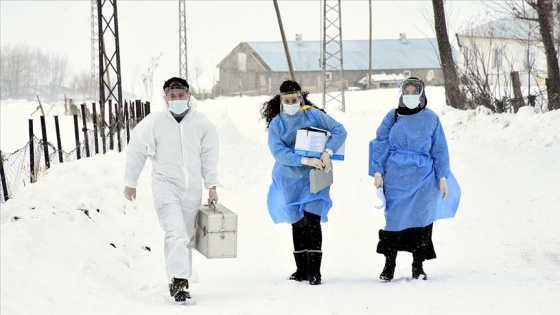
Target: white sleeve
{"type": "Point", "coordinates": [209, 155]}
{"type": "Point", "coordinates": [137, 152]}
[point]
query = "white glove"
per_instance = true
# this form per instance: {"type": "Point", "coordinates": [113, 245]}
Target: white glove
{"type": "Point", "coordinates": [129, 193]}
{"type": "Point", "coordinates": [378, 182]}
{"type": "Point", "coordinates": [443, 187]}
{"type": "Point", "coordinates": [313, 162]}
{"type": "Point", "coordinates": [326, 160]}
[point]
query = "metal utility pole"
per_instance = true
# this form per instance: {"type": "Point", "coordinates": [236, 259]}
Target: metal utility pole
{"type": "Point", "coordinates": [183, 67]}
{"type": "Point", "coordinates": [109, 52]}
{"type": "Point", "coordinates": [370, 48]}
{"type": "Point", "coordinates": [94, 48]}
{"type": "Point", "coordinates": [287, 51]}
{"type": "Point", "coordinates": [332, 53]}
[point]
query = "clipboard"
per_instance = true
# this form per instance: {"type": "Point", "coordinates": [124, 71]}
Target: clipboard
{"type": "Point", "coordinates": [320, 180]}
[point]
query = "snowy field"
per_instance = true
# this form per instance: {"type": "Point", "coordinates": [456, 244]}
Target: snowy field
{"type": "Point", "coordinates": [71, 243]}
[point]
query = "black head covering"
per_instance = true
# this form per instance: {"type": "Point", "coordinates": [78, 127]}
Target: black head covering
{"type": "Point", "coordinates": [419, 84]}
{"type": "Point", "coordinates": [180, 82]}
{"type": "Point", "coordinates": [290, 86]}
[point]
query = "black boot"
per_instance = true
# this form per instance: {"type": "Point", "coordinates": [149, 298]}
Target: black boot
{"type": "Point", "coordinates": [302, 272]}
{"type": "Point", "coordinates": [418, 271]}
{"type": "Point", "coordinates": [315, 267]}
{"type": "Point", "coordinates": [179, 289]}
{"type": "Point", "coordinates": [389, 268]}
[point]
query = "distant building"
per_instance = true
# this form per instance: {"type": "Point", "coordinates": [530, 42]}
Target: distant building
{"type": "Point", "coordinates": [256, 68]}
{"type": "Point", "coordinates": [497, 48]}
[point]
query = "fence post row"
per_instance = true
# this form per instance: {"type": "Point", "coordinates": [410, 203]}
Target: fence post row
{"type": "Point", "coordinates": [127, 116]}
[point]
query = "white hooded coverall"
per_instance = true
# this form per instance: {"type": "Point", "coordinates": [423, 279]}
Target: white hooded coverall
{"type": "Point", "coordinates": [182, 154]}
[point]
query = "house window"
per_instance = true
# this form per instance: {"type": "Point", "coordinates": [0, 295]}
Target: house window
{"type": "Point", "coordinates": [497, 60]}
{"type": "Point", "coordinates": [242, 62]}
{"type": "Point", "coordinates": [407, 74]}
{"type": "Point", "coordinates": [328, 76]}
{"type": "Point", "coordinates": [531, 60]}
{"type": "Point", "coordinates": [466, 55]}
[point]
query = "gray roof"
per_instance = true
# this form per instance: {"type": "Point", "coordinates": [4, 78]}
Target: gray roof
{"type": "Point", "coordinates": [508, 28]}
{"type": "Point", "coordinates": [387, 54]}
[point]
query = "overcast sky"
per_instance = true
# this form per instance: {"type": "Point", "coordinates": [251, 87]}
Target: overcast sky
{"type": "Point", "coordinates": [148, 29]}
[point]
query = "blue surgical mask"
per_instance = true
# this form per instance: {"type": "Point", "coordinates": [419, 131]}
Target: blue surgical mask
{"type": "Point", "coordinates": [291, 109]}
{"type": "Point", "coordinates": [411, 101]}
{"type": "Point", "coordinates": [178, 106]}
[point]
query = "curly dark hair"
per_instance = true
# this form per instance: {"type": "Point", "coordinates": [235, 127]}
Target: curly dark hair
{"type": "Point", "coordinates": [271, 108]}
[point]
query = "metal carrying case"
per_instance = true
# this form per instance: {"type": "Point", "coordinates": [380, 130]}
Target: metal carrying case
{"type": "Point", "coordinates": [216, 231]}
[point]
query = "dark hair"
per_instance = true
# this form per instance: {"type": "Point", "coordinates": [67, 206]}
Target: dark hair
{"type": "Point", "coordinates": [175, 81]}
{"type": "Point", "coordinates": [289, 86]}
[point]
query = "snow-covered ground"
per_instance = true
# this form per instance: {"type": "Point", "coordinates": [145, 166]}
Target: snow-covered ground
{"type": "Point", "coordinates": [71, 243]}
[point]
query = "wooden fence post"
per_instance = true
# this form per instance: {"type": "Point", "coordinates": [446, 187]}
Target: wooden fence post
{"type": "Point", "coordinates": [3, 178]}
{"type": "Point", "coordinates": [138, 111]}
{"type": "Point", "coordinates": [58, 140]}
{"type": "Point", "coordinates": [111, 126]}
{"type": "Point", "coordinates": [118, 119]}
{"type": "Point", "coordinates": [84, 129]}
{"type": "Point", "coordinates": [32, 177]}
{"type": "Point", "coordinates": [77, 136]}
{"type": "Point", "coordinates": [127, 121]}
{"type": "Point", "coordinates": [45, 142]}
{"type": "Point", "coordinates": [95, 138]}
{"type": "Point", "coordinates": [146, 109]}
{"type": "Point", "coordinates": [102, 124]}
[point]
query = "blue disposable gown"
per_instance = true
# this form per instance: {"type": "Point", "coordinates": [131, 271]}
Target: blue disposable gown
{"type": "Point", "coordinates": [412, 156]}
{"type": "Point", "coordinates": [289, 193]}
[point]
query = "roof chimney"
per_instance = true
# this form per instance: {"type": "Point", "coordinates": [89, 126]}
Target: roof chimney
{"type": "Point", "coordinates": [402, 37]}
{"type": "Point", "coordinates": [299, 37]}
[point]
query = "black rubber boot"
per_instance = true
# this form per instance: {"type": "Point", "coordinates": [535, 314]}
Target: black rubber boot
{"type": "Point", "coordinates": [179, 289]}
{"type": "Point", "coordinates": [302, 264]}
{"type": "Point", "coordinates": [315, 258]}
{"type": "Point", "coordinates": [418, 270]}
{"type": "Point", "coordinates": [389, 268]}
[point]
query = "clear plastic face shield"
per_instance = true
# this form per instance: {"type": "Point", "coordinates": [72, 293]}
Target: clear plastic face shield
{"type": "Point", "coordinates": [412, 87]}
{"type": "Point", "coordinates": [291, 101]}
{"type": "Point", "coordinates": [176, 92]}
{"type": "Point", "coordinates": [411, 90]}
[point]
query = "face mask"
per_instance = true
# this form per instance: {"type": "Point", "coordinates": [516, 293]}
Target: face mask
{"type": "Point", "coordinates": [411, 101]}
{"type": "Point", "coordinates": [290, 109]}
{"type": "Point", "coordinates": [178, 106]}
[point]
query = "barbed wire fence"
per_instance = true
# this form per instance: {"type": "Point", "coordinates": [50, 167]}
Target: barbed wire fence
{"type": "Point", "coordinates": [22, 167]}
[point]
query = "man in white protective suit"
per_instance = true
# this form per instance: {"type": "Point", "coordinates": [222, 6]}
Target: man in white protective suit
{"type": "Point", "coordinates": [183, 147]}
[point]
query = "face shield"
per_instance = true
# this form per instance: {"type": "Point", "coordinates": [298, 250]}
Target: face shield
{"type": "Point", "coordinates": [411, 92]}
{"type": "Point", "coordinates": [291, 101]}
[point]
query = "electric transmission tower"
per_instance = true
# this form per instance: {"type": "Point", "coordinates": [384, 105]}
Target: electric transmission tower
{"type": "Point", "coordinates": [94, 48]}
{"type": "Point", "coordinates": [333, 69]}
{"type": "Point", "coordinates": [109, 53]}
{"type": "Point", "coordinates": [183, 68]}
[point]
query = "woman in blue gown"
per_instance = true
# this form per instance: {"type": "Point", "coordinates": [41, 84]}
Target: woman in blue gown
{"type": "Point", "coordinates": [409, 158]}
{"type": "Point", "coordinates": [289, 198]}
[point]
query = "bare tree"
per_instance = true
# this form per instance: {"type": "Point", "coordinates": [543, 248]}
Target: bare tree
{"type": "Point", "coordinates": [453, 93]}
{"type": "Point", "coordinates": [542, 11]}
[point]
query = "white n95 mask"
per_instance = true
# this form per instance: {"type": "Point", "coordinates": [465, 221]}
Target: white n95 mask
{"type": "Point", "coordinates": [291, 109]}
{"type": "Point", "coordinates": [411, 101]}
{"type": "Point", "coordinates": [178, 106]}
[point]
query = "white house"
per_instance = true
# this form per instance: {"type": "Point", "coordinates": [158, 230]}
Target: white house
{"type": "Point", "coordinates": [497, 48]}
